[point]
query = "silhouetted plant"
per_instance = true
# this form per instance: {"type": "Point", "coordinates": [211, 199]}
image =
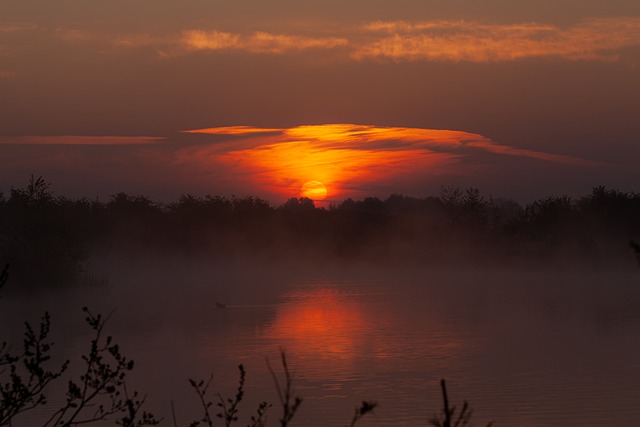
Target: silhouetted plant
{"type": "Point", "coordinates": [365, 408]}
{"type": "Point", "coordinates": [260, 419]}
{"type": "Point", "coordinates": [230, 413]}
{"type": "Point", "coordinates": [27, 372]}
{"type": "Point", "coordinates": [636, 248]}
{"type": "Point", "coordinates": [289, 407]}
{"type": "Point", "coordinates": [228, 407]}
{"type": "Point", "coordinates": [289, 404]}
{"type": "Point", "coordinates": [101, 393]}
{"type": "Point", "coordinates": [201, 387]}
{"type": "Point", "coordinates": [448, 413]}
{"type": "Point", "coordinates": [4, 276]}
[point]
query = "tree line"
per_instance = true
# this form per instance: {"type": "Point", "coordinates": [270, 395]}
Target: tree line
{"type": "Point", "coordinates": [47, 236]}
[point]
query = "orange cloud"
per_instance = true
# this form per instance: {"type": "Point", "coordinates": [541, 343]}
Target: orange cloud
{"type": "Point", "coordinates": [349, 158]}
{"type": "Point", "coordinates": [549, 157]}
{"type": "Point", "coordinates": [596, 39]}
{"type": "Point", "coordinates": [437, 40]}
{"type": "Point", "coordinates": [80, 140]}
{"type": "Point", "coordinates": [234, 130]}
{"type": "Point", "coordinates": [258, 42]}
{"type": "Point", "coordinates": [210, 40]}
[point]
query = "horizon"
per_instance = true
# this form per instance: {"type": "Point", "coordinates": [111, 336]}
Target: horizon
{"type": "Point", "coordinates": [320, 203]}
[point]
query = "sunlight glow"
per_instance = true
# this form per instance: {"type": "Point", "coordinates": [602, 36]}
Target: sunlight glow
{"type": "Point", "coordinates": [314, 190]}
{"type": "Point", "coordinates": [349, 159]}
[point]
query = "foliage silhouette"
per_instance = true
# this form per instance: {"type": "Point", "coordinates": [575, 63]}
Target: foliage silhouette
{"type": "Point", "coordinates": [447, 418]}
{"type": "Point", "coordinates": [364, 408]}
{"type": "Point", "coordinates": [229, 407]}
{"type": "Point", "coordinates": [636, 249]}
{"type": "Point", "coordinates": [102, 386]}
{"type": "Point", "coordinates": [99, 394]}
{"type": "Point", "coordinates": [28, 374]}
{"type": "Point", "coordinates": [289, 407]}
{"type": "Point", "coordinates": [48, 239]}
{"type": "Point", "coordinates": [201, 387]}
{"type": "Point", "coordinates": [4, 277]}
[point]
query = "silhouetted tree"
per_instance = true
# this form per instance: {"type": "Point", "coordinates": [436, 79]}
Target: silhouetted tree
{"type": "Point", "coordinates": [301, 204]}
{"type": "Point", "coordinates": [42, 236]}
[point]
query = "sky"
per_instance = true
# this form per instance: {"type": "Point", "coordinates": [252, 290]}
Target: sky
{"type": "Point", "coordinates": [326, 99]}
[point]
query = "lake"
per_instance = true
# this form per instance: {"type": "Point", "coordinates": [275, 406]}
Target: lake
{"type": "Point", "coordinates": [525, 347]}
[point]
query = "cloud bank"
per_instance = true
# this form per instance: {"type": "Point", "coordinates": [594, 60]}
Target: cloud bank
{"type": "Point", "coordinates": [452, 41]}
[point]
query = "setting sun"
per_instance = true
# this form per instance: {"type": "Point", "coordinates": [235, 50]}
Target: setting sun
{"type": "Point", "coordinates": [348, 158]}
{"type": "Point", "coordinates": [314, 190]}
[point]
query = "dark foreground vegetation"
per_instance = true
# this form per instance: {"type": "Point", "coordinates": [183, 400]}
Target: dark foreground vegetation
{"type": "Point", "coordinates": [48, 238]}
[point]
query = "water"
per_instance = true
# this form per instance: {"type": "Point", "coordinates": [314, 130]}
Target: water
{"type": "Point", "coordinates": [525, 348]}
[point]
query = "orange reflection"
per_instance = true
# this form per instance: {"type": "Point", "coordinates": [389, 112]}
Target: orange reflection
{"type": "Point", "coordinates": [333, 329]}
{"type": "Point", "coordinates": [323, 323]}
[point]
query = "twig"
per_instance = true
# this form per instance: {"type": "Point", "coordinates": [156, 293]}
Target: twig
{"type": "Point", "coordinates": [360, 412]}
{"type": "Point", "coordinates": [288, 408]}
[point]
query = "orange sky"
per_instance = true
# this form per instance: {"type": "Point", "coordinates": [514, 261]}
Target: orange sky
{"type": "Point", "coordinates": [349, 158]}
{"type": "Point", "coordinates": [521, 98]}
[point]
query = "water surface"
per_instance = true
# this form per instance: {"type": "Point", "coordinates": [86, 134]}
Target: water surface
{"type": "Point", "coordinates": [525, 347]}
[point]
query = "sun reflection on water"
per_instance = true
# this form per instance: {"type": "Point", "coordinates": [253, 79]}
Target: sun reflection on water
{"type": "Point", "coordinates": [323, 322]}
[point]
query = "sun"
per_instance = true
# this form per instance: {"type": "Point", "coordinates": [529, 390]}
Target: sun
{"type": "Point", "coordinates": [314, 190]}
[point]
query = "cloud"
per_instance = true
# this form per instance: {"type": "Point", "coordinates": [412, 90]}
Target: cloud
{"type": "Point", "coordinates": [549, 157]}
{"type": "Point", "coordinates": [596, 39]}
{"type": "Point", "coordinates": [13, 27]}
{"type": "Point", "coordinates": [258, 42]}
{"type": "Point", "coordinates": [398, 41]}
{"type": "Point", "coordinates": [346, 157]}
{"type": "Point", "coordinates": [235, 130]}
{"type": "Point", "coordinates": [80, 140]}
{"type": "Point", "coordinates": [386, 138]}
